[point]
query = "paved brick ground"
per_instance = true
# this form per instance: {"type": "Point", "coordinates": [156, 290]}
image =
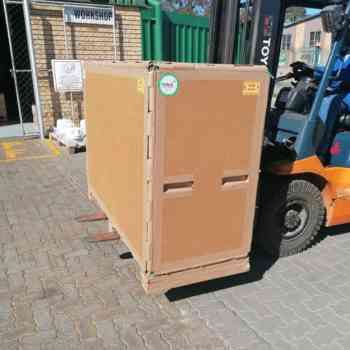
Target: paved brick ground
{"type": "Point", "coordinates": [59, 292]}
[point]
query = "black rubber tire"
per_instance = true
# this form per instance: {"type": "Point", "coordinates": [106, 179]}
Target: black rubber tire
{"type": "Point", "coordinates": [272, 230]}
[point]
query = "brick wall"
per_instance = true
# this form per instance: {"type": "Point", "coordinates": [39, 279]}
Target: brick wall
{"type": "Point", "coordinates": [84, 42]}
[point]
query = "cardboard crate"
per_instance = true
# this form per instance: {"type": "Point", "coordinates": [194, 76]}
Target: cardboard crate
{"type": "Point", "coordinates": [173, 159]}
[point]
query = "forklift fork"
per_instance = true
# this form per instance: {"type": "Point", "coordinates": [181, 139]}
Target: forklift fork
{"type": "Point", "coordinates": [104, 237]}
{"type": "Point", "coordinates": [111, 235]}
{"type": "Point", "coordinates": [98, 216]}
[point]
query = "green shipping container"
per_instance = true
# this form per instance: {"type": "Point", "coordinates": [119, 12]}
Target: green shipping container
{"type": "Point", "coordinates": [132, 3]}
{"type": "Point", "coordinates": [173, 37]}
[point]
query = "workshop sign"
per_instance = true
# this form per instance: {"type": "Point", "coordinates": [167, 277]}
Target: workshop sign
{"type": "Point", "coordinates": [67, 75]}
{"type": "Point", "coordinates": [88, 15]}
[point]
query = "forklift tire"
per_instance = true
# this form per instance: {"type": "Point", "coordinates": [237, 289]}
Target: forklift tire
{"type": "Point", "coordinates": [291, 218]}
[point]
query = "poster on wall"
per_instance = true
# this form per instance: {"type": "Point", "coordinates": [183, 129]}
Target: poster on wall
{"type": "Point", "coordinates": [67, 75]}
{"type": "Point", "coordinates": [88, 15]}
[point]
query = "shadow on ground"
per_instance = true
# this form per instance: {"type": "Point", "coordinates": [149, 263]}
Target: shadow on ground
{"type": "Point", "coordinates": [260, 263]}
{"type": "Point", "coordinates": [334, 231]}
{"type": "Point", "coordinates": [126, 256]}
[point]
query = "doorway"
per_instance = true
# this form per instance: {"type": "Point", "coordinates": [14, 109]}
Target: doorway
{"type": "Point", "coordinates": [16, 85]}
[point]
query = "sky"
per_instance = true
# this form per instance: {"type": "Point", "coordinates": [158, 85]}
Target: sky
{"type": "Point", "coordinates": [312, 11]}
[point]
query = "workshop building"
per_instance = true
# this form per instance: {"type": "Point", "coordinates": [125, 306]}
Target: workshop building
{"type": "Point", "coordinates": [57, 36]}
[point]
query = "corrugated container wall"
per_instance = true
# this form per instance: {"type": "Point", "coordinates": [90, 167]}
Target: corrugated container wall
{"type": "Point", "coordinates": [174, 37]}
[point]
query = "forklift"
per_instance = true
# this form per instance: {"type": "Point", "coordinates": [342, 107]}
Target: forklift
{"type": "Point", "coordinates": [305, 167]}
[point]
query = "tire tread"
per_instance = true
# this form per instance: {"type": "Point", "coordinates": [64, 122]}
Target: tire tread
{"type": "Point", "coordinates": [287, 189]}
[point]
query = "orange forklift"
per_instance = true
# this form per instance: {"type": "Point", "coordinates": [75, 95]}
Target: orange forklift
{"type": "Point", "coordinates": [305, 181]}
{"type": "Point", "coordinates": [176, 175]}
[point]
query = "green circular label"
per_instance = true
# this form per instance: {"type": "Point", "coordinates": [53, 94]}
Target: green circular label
{"type": "Point", "coordinates": [168, 85]}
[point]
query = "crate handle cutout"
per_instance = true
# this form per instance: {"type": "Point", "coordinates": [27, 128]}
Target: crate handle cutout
{"type": "Point", "coordinates": [231, 181]}
{"type": "Point", "coordinates": [178, 187]}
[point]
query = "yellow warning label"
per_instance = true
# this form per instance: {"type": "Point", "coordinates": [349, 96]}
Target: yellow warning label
{"type": "Point", "coordinates": [141, 85]}
{"type": "Point", "coordinates": [251, 88]}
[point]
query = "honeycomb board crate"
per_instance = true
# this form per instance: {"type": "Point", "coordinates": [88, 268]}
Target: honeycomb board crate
{"type": "Point", "coordinates": [173, 159]}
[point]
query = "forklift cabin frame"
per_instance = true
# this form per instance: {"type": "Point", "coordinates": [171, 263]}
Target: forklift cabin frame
{"type": "Point", "coordinates": [263, 40]}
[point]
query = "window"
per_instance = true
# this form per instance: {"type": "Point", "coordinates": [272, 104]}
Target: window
{"type": "Point", "coordinates": [286, 41]}
{"type": "Point", "coordinates": [315, 39]}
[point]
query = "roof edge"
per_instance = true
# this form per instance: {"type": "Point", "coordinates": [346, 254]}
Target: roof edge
{"type": "Point", "coordinates": [306, 19]}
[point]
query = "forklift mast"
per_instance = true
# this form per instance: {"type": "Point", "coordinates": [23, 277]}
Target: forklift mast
{"type": "Point", "coordinates": [246, 32]}
{"type": "Point", "coordinates": [250, 31]}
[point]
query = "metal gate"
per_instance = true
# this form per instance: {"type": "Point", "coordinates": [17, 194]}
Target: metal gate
{"type": "Point", "coordinates": [20, 71]}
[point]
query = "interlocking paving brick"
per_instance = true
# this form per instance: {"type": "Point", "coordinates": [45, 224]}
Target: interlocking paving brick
{"type": "Point", "coordinates": [324, 336]}
{"type": "Point", "coordinates": [332, 318]}
{"type": "Point", "coordinates": [295, 330]}
{"type": "Point", "coordinates": [305, 344]}
{"type": "Point", "coordinates": [312, 317]}
{"type": "Point", "coordinates": [334, 346]}
{"type": "Point", "coordinates": [257, 346]}
{"type": "Point", "coordinates": [317, 302]}
{"type": "Point", "coordinates": [59, 292]}
{"type": "Point", "coordinates": [130, 337]}
{"type": "Point", "coordinates": [87, 329]}
{"type": "Point", "coordinates": [344, 342]}
{"type": "Point", "coordinates": [269, 324]}
{"type": "Point", "coordinates": [154, 340]}
{"type": "Point", "coordinates": [65, 326]}
{"type": "Point", "coordinates": [39, 338]}
{"type": "Point", "coordinates": [24, 315]}
{"type": "Point", "coordinates": [16, 282]}
{"type": "Point", "coordinates": [278, 341]}
{"type": "Point", "coordinates": [42, 318]}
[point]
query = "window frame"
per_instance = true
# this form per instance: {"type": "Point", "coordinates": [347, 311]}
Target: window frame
{"type": "Point", "coordinates": [286, 41]}
{"type": "Point", "coordinates": [315, 38]}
